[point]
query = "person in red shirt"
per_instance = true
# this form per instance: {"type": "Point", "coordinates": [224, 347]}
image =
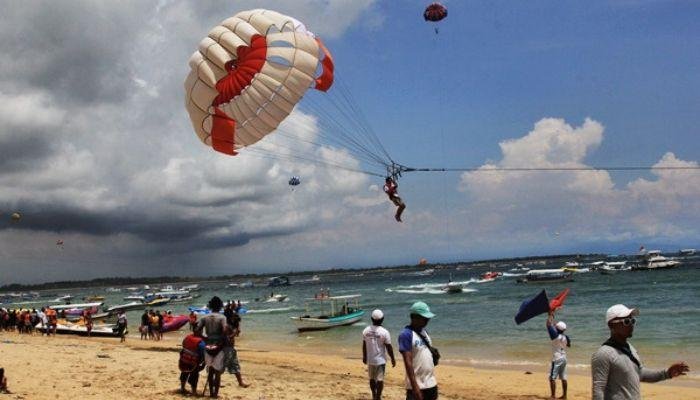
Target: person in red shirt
{"type": "Point", "coordinates": [390, 188]}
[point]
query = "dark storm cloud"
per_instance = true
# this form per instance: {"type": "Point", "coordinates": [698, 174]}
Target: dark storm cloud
{"type": "Point", "coordinates": [78, 50]}
{"type": "Point", "coordinates": [21, 152]}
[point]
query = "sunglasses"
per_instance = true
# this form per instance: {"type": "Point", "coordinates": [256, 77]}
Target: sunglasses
{"type": "Point", "coordinates": [625, 321]}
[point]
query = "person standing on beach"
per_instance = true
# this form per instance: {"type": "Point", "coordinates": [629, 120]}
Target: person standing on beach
{"type": "Point", "coordinates": [376, 342]}
{"type": "Point", "coordinates": [145, 324]}
{"type": "Point", "coordinates": [191, 361]}
{"type": "Point", "coordinates": [87, 318]}
{"type": "Point", "coordinates": [616, 367]}
{"type": "Point", "coordinates": [215, 328]}
{"type": "Point", "coordinates": [121, 325]}
{"type": "Point", "coordinates": [560, 342]}
{"type": "Point", "coordinates": [230, 353]}
{"type": "Point", "coordinates": [415, 348]}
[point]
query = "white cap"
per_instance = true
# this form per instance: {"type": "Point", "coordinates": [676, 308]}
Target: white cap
{"type": "Point", "coordinates": [619, 311]}
{"type": "Point", "coordinates": [560, 325]}
{"type": "Point", "coordinates": [377, 315]}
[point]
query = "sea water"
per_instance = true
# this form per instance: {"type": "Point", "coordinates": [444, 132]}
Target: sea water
{"type": "Point", "coordinates": [476, 327]}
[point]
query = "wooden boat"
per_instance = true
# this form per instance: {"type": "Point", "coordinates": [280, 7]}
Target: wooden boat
{"type": "Point", "coordinates": [332, 312]}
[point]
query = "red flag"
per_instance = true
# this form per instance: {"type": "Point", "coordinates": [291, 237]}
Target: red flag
{"type": "Point", "coordinates": [558, 301]}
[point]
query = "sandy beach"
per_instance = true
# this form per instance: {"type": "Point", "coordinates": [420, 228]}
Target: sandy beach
{"type": "Point", "coordinates": [67, 367]}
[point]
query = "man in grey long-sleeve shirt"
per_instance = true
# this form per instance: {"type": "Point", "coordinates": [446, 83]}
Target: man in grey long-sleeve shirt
{"type": "Point", "coordinates": [616, 367]}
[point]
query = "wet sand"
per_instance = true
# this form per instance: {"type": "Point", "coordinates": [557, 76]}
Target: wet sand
{"type": "Point", "coordinates": [68, 367]}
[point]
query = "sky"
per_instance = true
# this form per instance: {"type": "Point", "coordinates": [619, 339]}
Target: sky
{"type": "Point", "coordinates": [98, 151]}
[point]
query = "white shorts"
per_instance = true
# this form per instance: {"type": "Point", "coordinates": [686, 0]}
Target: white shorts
{"type": "Point", "coordinates": [376, 372]}
{"type": "Point", "coordinates": [558, 370]}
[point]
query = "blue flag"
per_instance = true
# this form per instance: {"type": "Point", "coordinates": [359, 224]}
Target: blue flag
{"type": "Point", "coordinates": [533, 307]}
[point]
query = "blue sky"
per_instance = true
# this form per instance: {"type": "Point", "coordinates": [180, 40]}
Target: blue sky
{"type": "Point", "coordinates": [101, 153]}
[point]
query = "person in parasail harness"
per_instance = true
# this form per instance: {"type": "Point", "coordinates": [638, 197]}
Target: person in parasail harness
{"type": "Point", "coordinates": [390, 188]}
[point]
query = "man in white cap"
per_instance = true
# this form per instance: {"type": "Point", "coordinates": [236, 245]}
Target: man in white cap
{"type": "Point", "coordinates": [560, 342]}
{"type": "Point", "coordinates": [616, 366]}
{"type": "Point", "coordinates": [415, 346]}
{"type": "Point", "coordinates": [376, 342]}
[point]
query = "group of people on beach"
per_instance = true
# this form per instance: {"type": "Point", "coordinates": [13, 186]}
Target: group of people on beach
{"type": "Point", "coordinates": [211, 345]}
{"type": "Point", "coordinates": [25, 320]}
{"type": "Point", "coordinates": [616, 367]}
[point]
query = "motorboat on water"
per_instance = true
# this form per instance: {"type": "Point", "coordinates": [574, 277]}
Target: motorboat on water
{"type": "Point", "coordinates": [157, 302]}
{"type": "Point", "coordinates": [490, 276]}
{"type": "Point", "coordinates": [613, 267]}
{"type": "Point", "coordinates": [547, 275]}
{"type": "Point", "coordinates": [654, 260]}
{"type": "Point", "coordinates": [94, 298]}
{"type": "Point", "coordinates": [278, 281]}
{"type": "Point", "coordinates": [453, 287]}
{"type": "Point", "coordinates": [425, 272]}
{"type": "Point", "coordinates": [519, 270]}
{"type": "Point", "coordinates": [276, 298]}
{"type": "Point", "coordinates": [329, 312]}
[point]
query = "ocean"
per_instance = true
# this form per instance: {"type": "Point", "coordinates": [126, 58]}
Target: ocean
{"type": "Point", "coordinates": [476, 327]}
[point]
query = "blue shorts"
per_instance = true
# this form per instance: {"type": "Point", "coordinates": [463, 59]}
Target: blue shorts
{"type": "Point", "coordinates": [558, 370]}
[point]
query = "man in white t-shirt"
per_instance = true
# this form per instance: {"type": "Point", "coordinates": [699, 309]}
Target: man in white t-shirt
{"type": "Point", "coordinates": [560, 342]}
{"type": "Point", "coordinates": [376, 342]}
{"type": "Point", "coordinates": [414, 346]}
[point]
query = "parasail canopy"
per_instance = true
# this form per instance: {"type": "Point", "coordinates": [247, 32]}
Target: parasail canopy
{"type": "Point", "coordinates": [435, 12]}
{"type": "Point", "coordinates": [248, 74]}
{"type": "Point", "coordinates": [294, 181]}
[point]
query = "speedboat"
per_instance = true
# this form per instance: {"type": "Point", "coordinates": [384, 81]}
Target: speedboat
{"type": "Point", "coordinates": [278, 281]}
{"type": "Point", "coordinates": [453, 287]}
{"type": "Point", "coordinates": [102, 330]}
{"type": "Point", "coordinates": [276, 297]}
{"type": "Point", "coordinates": [330, 312]}
{"type": "Point", "coordinates": [490, 276]}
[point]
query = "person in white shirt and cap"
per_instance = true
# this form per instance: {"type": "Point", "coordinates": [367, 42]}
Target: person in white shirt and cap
{"type": "Point", "coordinates": [376, 342]}
{"type": "Point", "coordinates": [616, 367]}
{"type": "Point", "coordinates": [560, 342]}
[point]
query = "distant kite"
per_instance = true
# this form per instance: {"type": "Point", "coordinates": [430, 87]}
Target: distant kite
{"type": "Point", "coordinates": [294, 181]}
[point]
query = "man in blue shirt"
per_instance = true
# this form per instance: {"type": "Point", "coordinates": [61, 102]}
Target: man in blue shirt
{"type": "Point", "coordinates": [414, 346]}
{"type": "Point", "coordinates": [560, 342]}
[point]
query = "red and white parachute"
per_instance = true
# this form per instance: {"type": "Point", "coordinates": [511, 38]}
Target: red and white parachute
{"type": "Point", "coordinates": [249, 73]}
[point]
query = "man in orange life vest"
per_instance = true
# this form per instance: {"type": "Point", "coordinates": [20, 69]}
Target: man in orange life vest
{"type": "Point", "coordinates": [390, 188]}
{"type": "Point", "coordinates": [191, 360]}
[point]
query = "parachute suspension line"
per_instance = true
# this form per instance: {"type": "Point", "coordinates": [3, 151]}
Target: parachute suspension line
{"type": "Point", "coordinates": [332, 131]}
{"type": "Point", "coordinates": [284, 133]}
{"type": "Point", "coordinates": [554, 169]}
{"type": "Point", "coordinates": [347, 94]}
{"type": "Point", "coordinates": [338, 127]}
{"type": "Point", "coordinates": [266, 154]}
